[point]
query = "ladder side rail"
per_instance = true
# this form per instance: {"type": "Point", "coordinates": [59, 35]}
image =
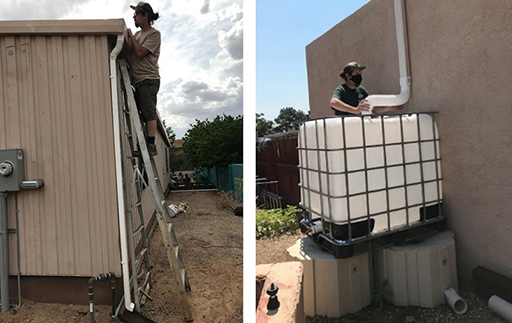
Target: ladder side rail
{"type": "Point", "coordinates": [137, 176]}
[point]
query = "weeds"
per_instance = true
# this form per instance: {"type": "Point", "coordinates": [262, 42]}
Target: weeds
{"type": "Point", "coordinates": [273, 223]}
{"type": "Point", "coordinates": [380, 296]}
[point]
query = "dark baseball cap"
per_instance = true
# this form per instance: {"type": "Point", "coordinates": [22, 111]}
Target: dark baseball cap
{"type": "Point", "coordinates": [350, 67]}
{"type": "Point", "coordinates": [143, 6]}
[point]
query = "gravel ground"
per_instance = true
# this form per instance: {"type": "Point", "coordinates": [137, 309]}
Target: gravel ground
{"type": "Point", "coordinates": [274, 250]}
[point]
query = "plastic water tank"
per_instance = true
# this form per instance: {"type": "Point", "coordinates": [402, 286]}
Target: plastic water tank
{"type": "Point", "coordinates": [386, 167]}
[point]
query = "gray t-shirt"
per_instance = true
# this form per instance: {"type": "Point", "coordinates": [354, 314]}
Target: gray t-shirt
{"type": "Point", "coordinates": [146, 67]}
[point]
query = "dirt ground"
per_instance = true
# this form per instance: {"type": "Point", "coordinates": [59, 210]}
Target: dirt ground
{"type": "Point", "coordinates": [272, 251]}
{"type": "Point", "coordinates": [211, 242]}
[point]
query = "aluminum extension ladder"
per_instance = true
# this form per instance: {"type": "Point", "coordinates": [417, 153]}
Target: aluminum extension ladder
{"type": "Point", "coordinates": [163, 213]}
{"type": "Point", "coordinates": [134, 183]}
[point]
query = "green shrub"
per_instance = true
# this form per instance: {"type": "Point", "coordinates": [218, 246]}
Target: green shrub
{"type": "Point", "coordinates": [273, 223]}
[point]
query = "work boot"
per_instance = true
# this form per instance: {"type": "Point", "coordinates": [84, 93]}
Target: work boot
{"type": "Point", "coordinates": [152, 150]}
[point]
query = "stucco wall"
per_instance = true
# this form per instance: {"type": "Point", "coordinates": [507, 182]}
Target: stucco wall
{"type": "Point", "coordinates": [460, 66]}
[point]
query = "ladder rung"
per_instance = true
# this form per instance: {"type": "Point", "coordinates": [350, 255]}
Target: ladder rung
{"type": "Point", "coordinates": [141, 254]}
{"type": "Point", "coordinates": [135, 205]}
{"type": "Point", "coordinates": [139, 229]}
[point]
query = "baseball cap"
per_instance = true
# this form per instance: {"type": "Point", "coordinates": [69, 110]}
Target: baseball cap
{"type": "Point", "coordinates": [143, 6]}
{"type": "Point", "coordinates": [350, 67]}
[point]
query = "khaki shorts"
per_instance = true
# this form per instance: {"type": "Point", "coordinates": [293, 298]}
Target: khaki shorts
{"type": "Point", "coordinates": [145, 96]}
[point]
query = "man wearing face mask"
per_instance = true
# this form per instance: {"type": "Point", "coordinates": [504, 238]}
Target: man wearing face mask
{"type": "Point", "coordinates": [350, 97]}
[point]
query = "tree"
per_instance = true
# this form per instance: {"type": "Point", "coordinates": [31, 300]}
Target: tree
{"type": "Point", "coordinates": [290, 119]}
{"type": "Point", "coordinates": [215, 143]}
{"type": "Point", "coordinates": [263, 126]}
{"type": "Point", "coordinates": [177, 162]}
{"type": "Point", "coordinates": [170, 133]}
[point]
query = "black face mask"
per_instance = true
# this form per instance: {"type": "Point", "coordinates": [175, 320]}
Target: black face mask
{"type": "Point", "coordinates": [357, 79]}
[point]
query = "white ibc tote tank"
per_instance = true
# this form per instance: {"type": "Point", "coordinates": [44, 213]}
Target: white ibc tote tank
{"type": "Point", "coordinates": [386, 168]}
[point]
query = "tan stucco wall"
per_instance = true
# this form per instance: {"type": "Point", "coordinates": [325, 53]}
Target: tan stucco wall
{"type": "Point", "coordinates": [461, 66]}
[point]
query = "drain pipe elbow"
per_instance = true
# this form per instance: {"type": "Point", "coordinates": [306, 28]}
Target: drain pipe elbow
{"type": "Point", "coordinates": [457, 303]}
{"type": "Point", "coordinates": [118, 48]}
{"type": "Point", "coordinates": [391, 100]}
{"type": "Point", "coordinates": [501, 307]}
{"type": "Point", "coordinates": [405, 79]}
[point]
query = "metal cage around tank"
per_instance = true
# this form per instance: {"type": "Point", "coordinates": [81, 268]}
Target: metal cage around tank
{"type": "Point", "coordinates": [328, 180]}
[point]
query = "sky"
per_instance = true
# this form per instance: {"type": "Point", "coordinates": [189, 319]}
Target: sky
{"type": "Point", "coordinates": [283, 30]}
{"type": "Point", "coordinates": [201, 55]}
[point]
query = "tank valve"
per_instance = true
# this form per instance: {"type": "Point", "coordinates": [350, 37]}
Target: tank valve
{"type": "Point", "coordinates": [273, 302]}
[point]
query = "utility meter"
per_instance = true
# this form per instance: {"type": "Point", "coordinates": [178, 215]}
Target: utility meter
{"type": "Point", "coordinates": [11, 170]}
{"type": "Point", "coordinates": [6, 168]}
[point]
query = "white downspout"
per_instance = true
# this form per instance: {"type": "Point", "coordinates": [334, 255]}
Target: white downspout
{"type": "Point", "coordinates": [119, 174]}
{"type": "Point", "coordinates": [405, 80]}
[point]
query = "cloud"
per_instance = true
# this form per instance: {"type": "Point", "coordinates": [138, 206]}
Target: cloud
{"type": "Point", "coordinates": [201, 57]}
{"type": "Point", "coordinates": [210, 65]}
{"type": "Point", "coordinates": [206, 7]}
{"type": "Point", "coordinates": [232, 40]}
{"type": "Point", "coordinates": [27, 9]}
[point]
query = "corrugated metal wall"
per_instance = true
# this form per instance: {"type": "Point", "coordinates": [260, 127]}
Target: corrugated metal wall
{"type": "Point", "coordinates": [55, 105]}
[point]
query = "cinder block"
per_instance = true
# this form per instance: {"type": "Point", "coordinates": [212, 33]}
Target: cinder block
{"type": "Point", "coordinates": [332, 287]}
{"type": "Point", "coordinates": [417, 274]}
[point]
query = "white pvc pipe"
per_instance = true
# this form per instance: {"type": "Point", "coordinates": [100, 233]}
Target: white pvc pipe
{"type": "Point", "coordinates": [457, 303]}
{"type": "Point", "coordinates": [501, 307]}
{"type": "Point", "coordinates": [119, 174]}
{"type": "Point", "coordinates": [405, 80]}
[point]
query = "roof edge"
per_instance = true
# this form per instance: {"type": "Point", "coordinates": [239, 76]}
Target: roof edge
{"type": "Point", "coordinates": [63, 27]}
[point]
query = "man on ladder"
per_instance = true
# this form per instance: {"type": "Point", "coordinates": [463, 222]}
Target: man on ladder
{"type": "Point", "coordinates": [145, 46]}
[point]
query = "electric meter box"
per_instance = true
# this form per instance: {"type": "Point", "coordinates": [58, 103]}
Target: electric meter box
{"type": "Point", "coordinates": [11, 170]}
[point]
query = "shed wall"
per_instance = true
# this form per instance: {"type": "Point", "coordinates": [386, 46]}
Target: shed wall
{"type": "Point", "coordinates": [56, 106]}
{"type": "Point", "coordinates": [460, 66]}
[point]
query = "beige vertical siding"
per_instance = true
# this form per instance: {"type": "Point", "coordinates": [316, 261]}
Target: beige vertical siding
{"type": "Point", "coordinates": [55, 104]}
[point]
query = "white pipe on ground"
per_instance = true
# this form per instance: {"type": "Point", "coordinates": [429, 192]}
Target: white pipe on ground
{"type": "Point", "coordinates": [405, 79]}
{"type": "Point", "coordinates": [457, 303]}
{"type": "Point", "coordinates": [501, 307]}
{"type": "Point", "coordinates": [119, 174]}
